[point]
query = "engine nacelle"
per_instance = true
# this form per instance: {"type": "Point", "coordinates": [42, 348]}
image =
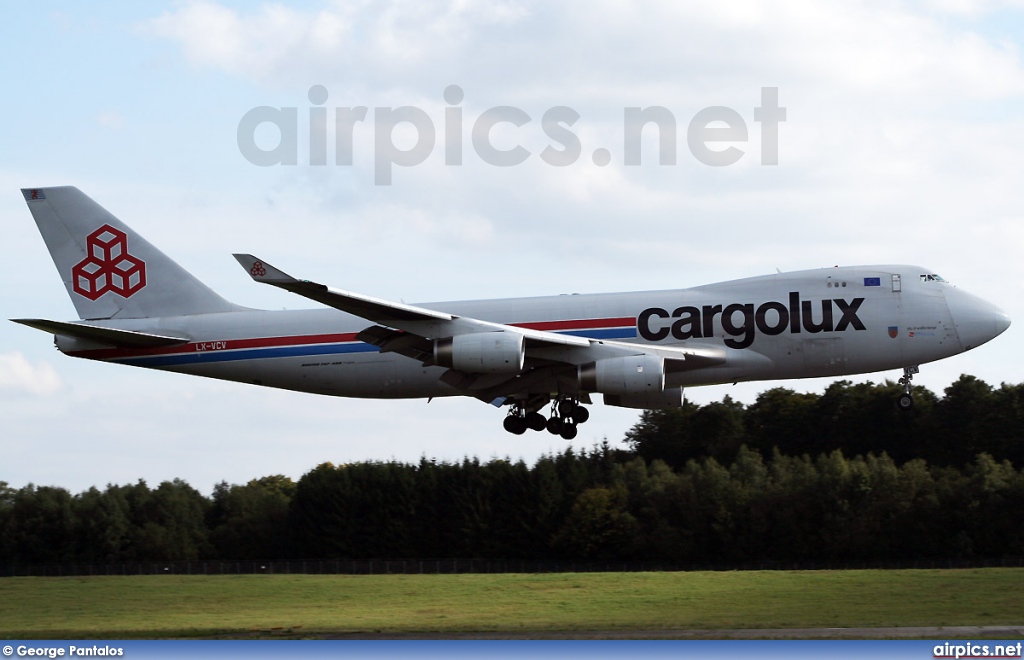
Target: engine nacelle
{"type": "Point", "coordinates": [633, 375]}
{"type": "Point", "coordinates": [482, 352]}
{"type": "Point", "coordinates": [670, 398]}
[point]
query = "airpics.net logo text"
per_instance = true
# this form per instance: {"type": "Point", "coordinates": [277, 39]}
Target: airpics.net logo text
{"type": "Point", "coordinates": [706, 130]}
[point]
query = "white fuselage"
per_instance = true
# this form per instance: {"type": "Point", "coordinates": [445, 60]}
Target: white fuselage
{"type": "Point", "coordinates": [827, 322]}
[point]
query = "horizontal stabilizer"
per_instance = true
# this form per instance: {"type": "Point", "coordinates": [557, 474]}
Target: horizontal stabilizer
{"type": "Point", "coordinates": [112, 336]}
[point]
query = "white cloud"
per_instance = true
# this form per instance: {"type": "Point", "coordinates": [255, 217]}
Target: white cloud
{"type": "Point", "coordinates": [19, 376]}
{"type": "Point", "coordinates": [971, 8]}
{"type": "Point", "coordinates": [269, 43]}
{"type": "Point", "coordinates": [585, 50]}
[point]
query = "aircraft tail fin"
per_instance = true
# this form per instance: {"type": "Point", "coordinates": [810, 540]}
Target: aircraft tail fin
{"type": "Point", "coordinates": [109, 270]}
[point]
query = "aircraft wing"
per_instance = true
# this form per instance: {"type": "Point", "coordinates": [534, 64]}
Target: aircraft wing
{"type": "Point", "coordinates": [409, 318]}
{"type": "Point", "coordinates": [410, 330]}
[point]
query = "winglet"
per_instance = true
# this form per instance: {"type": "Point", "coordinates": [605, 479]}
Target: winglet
{"type": "Point", "coordinates": [261, 271]}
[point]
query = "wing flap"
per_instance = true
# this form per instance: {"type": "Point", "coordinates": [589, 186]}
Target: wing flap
{"type": "Point", "coordinates": [399, 341]}
{"type": "Point", "coordinates": [689, 358]}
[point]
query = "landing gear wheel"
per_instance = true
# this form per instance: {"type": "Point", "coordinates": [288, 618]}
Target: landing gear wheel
{"type": "Point", "coordinates": [536, 421]}
{"type": "Point", "coordinates": [580, 414]}
{"type": "Point", "coordinates": [906, 401]}
{"type": "Point", "coordinates": [515, 424]}
{"type": "Point", "coordinates": [566, 413]}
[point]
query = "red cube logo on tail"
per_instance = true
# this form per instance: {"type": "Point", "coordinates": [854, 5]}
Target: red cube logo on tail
{"type": "Point", "coordinates": [108, 267]}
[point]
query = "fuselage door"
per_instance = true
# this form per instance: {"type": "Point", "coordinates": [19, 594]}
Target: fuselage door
{"type": "Point", "coordinates": [897, 284]}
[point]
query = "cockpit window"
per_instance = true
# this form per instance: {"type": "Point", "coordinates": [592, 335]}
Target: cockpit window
{"type": "Point", "coordinates": [932, 278]}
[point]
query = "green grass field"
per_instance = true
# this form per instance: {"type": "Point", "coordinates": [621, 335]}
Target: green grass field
{"type": "Point", "coordinates": [191, 606]}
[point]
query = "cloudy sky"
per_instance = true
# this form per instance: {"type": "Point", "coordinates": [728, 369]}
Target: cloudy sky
{"type": "Point", "coordinates": [903, 143]}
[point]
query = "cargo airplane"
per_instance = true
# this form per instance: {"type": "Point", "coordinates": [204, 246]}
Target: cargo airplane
{"type": "Point", "coordinates": [638, 350]}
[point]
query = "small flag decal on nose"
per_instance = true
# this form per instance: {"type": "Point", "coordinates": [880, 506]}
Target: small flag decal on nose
{"type": "Point", "coordinates": [872, 281]}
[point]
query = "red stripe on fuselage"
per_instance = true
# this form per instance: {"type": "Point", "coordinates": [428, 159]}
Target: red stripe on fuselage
{"type": "Point", "coordinates": [581, 324]}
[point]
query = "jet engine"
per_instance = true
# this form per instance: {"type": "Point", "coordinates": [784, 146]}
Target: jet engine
{"type": "Point", "coordinates": [633, 375]}
{"type": "Point", "coordinates": [499, 352]}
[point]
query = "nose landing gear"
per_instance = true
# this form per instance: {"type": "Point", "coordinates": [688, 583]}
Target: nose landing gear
{"type": "Point", "coordinates": [905, 402]}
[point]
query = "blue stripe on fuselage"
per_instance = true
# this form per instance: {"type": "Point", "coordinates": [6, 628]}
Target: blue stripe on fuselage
{"type": "Point", "coordinates": [610, 333]}
{"type": "Point", "coordinates": [207, 357]}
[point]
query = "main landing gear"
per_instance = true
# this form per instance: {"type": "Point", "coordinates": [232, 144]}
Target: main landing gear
{"type": "Point", "coordinates": [565, 415]}
{"type": "Point", "coordinates": [519, 420]}
{"type": "Point", "coordinates": [906, 402]}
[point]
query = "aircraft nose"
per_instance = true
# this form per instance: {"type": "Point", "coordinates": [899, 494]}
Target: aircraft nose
{"type": "Point", "coordinates": [1002, 323]}
{"type": "Point", "coordinates": [977, 321]}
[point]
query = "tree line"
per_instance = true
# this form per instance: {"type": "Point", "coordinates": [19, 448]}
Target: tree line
{"type": "Point", "coordinates": [970, 418]}
{"type": "Point", "coordinates": [837, 476]}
